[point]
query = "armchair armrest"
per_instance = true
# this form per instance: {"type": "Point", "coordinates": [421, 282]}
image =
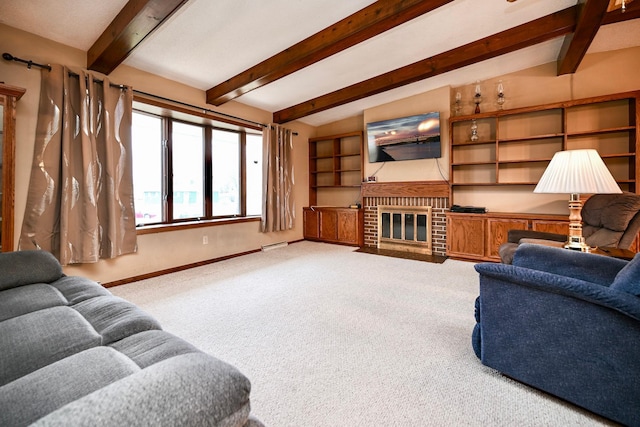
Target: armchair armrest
{"type": "Point", "coordinates": [575, 264]}
{"type": "Point", "coordinates": [544, 281]}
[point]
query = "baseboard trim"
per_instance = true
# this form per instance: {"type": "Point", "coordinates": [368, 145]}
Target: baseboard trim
{"type": "Point", "coordinates": [181, 268]}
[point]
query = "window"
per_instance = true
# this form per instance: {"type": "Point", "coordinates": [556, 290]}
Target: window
{"type": "Point", "coordinates": [225, 177]}
{"type": "Point", "coordinates": [253, 166]}
{"type": "Point", "coordinates": [186, 171]}
{"type": "Point", "coordinates": [187, 159]}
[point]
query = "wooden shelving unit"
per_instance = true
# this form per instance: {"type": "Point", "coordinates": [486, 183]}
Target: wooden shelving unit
{"type": "Point", "coordinates": [515, 146]}
{"type": "Point", "coordinates": [335, 171]}
{"type": "Point", "coordinates": [335, 163]}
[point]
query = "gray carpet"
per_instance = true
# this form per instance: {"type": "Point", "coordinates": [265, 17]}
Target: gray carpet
{"type": "Point", "coordinates": [332, 337]}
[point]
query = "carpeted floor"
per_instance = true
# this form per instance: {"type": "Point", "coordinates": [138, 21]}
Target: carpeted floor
{"type": "Point", "coordinates": [332, 337]}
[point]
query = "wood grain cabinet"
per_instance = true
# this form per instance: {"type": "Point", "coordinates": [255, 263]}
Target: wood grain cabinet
{"type": "Point", "coordinates": [506, 152]}
{"type": "Point", "coordinates": [478, 236]}
{"type": "Point", "coordinates": [334, 225]}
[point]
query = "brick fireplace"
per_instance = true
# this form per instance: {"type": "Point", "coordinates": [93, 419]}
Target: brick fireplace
{"type": "Point", "coordinates": [406, 194]}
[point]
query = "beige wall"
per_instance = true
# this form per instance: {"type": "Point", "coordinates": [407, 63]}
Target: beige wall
{"type": "Point", "coordinates": [155, 251]}
{"type": "Point", "coordinates": [413, 170]}
{"type": "Point", "coordinates": [599, 74]}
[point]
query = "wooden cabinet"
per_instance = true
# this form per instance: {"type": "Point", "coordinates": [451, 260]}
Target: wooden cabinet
{"type": "Point", "coordinates": [466, 236]}
{"type": "Point", "coordinates": [9, 95]}
{"type": "Point", "coordinates": [478, 236]}
{"type": "Point", "coordinates": [310, 219]}
{"type": "Point", "coordinates": [514, 147]}
{"type": "Point", "coordinates": [334, 225]}
{"type": "Point", "coordinates": [335, 165]}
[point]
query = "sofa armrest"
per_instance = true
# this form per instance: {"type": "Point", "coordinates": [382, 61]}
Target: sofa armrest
{"type": "Point", "coordinates": [26, 267]}
{"type": "Point", "coordinates": [186, 390]}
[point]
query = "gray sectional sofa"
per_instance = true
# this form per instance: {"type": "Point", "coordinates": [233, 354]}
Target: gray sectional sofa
{"type": "Point", "coordinates": [74, 354]}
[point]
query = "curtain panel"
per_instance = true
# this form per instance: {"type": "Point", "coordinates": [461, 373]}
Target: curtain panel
{"type": "Point", "coordinates": [80, 198]}
{"type": "Point", "coordinates": [278, 211]}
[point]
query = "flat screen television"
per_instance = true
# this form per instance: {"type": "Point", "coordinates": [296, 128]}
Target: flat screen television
{"type": "Point", "coordinates": [405, 138]}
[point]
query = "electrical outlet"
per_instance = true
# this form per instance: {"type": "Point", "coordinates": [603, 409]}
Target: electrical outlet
{"type": "Point", "coordinates": [205, 240]}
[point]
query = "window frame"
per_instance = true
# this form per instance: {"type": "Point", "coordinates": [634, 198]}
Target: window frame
{"type": "Point", "coordinates": [170, 114]}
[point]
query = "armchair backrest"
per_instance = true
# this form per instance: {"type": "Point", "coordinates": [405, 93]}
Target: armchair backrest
{"type": "Point", "coordinates": [611, 219]}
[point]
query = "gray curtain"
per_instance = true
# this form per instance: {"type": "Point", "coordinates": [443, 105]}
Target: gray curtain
{"type": "Point", "coordinates": [278, 211]}
{"type": "Point", "coordinates": [80, 198]}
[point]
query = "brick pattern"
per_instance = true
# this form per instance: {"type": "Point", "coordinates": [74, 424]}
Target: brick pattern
{"type": "Point", "coordinates": [439, 207]}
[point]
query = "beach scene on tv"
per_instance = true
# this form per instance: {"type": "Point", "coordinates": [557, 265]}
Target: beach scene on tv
{"type": "Point", "coordinates": [405, 138]}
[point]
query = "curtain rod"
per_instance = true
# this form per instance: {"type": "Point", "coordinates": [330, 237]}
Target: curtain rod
{"type": "Point", "coordinates": [29, 63]}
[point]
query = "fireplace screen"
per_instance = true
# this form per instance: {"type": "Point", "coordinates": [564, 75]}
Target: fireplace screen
{"type": "Point", "coordinates": [405, 228]}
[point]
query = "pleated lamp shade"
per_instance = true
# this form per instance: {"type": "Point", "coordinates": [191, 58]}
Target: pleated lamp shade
{"type": "Point", "coordinates": [577, 172]}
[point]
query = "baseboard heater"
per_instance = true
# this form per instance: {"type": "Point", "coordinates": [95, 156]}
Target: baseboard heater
{"type": "Point", "coordinates": [272, 246]}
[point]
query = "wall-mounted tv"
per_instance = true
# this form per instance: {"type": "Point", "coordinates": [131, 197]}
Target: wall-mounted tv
{"type": "Point", "coordinates": [405, 138]}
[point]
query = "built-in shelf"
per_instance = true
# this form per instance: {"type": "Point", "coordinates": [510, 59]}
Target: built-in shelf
{"type": "Point", "coordinates": [515, 146]}
{"type": "Point", "coordinates": [335, 164]}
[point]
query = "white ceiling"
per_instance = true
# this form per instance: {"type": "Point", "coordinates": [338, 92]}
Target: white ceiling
{"type": "Point", "coordinates": [206, 42]}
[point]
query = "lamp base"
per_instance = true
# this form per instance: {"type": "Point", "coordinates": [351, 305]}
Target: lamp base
{"type": "Point", "coordinates": [577, 243]}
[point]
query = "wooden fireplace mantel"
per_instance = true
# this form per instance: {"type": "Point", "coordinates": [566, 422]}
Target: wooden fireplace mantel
{"type": "Point", "coordinates": [406, 189]}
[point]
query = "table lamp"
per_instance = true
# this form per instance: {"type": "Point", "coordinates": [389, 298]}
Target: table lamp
{"type": "Point", "coordinates": [576, 172]}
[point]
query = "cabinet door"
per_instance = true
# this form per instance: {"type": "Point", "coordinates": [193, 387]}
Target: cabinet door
{"type": "Point", "coordinates": [498, 231]}
{"type": "Point", "coordinates": [310, 220]}
{"type": "Point", "coordinates": [329, 225]}
{"type": "Point", "coordinates": [465, 236]}
{"type": "Point", "coordinates": [559, 227]}
{"type": "Point", "coordinates": [348, 226]}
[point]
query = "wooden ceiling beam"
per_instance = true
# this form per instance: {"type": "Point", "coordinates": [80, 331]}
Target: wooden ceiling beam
{"type": "Point", "coordinates": [362, 25]}
{"type": "Point", "coordinates": [136, 20]}
{"type": "Point", "coordinates": [590, 16]}
{"type": "Point", "coordinates": [546, 28]}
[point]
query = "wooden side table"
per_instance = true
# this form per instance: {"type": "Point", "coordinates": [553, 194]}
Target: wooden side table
{"type": "Point", "coordinates": [614, 252]}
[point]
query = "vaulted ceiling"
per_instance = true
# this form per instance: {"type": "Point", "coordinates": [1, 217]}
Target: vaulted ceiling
{"type": "Point", "coordinates": [324, 60]}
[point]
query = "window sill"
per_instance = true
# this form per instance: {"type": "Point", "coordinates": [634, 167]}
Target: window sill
{"type": "Point", "coordinates": [160, 228]}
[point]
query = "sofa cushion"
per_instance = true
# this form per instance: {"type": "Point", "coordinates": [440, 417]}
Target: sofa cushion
{"type": "Point", "coordinates": [201, 390]}
{"type": "Point", "coordinates": [27, 267]}
{"type": "Point", "coordinates": [34, 340]}
{"type": "Point", "coordinates": [115, 318]}
{"type": "Point", "coordinates": [601, 237]}
{"type": "Point", "coordinates": [77, 289]}
{"type": "Point", "coordinates": [628, 279]}
{"type": "Point", "coordinates": [28, 298]}
{"type": "Point", "coordinates": [36, 394]}
{"type": "Point", "coordinates": [149, 347]}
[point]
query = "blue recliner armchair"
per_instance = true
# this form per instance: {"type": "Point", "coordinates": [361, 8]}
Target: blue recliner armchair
{"type": "Point", "coordinates": [567, 323]}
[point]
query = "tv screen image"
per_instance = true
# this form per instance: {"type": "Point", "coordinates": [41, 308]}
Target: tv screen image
{"type": "Point", "coordinates": [405, 138]}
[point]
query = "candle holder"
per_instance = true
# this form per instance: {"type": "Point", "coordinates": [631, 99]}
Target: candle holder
{"type": "Point", "coordinates": [501, 98]}
{"type": "Point", "coordinates": [477, 98]}
{"type": "Point", "coordinates": [458, 103]}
